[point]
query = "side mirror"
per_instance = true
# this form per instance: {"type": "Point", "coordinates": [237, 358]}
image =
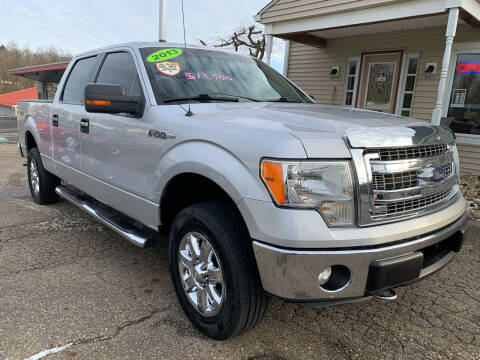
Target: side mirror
{"type": "Point", "coordinates": [111, 99]}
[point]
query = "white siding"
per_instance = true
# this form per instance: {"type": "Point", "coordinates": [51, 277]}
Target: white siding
{"type": "Point", "coordinates": [284, 10]}
{"type": "Point", "coordinates": [469, 159]}
{"type": "Point", "coordinates": [309, 67]}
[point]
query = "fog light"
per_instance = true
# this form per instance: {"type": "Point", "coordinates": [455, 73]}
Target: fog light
{"type": "Point", "coordinates": [324, 276]}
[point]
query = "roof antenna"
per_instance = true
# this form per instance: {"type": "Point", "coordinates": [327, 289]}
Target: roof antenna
{"type": "Point", "coordinates": [189, 112]}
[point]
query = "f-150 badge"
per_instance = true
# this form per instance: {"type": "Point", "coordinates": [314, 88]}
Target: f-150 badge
{"type": "Point", "coordinates": [160, 134]}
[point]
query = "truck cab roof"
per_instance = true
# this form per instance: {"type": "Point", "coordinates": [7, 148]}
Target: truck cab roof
{"type": "Point", "coordinates": [146, 44]}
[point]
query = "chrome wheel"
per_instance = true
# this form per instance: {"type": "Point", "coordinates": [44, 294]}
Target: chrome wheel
{"type": "Point", "coordinates": [201, 274]}
{"type": "Point", "coordinates": [34, 178]}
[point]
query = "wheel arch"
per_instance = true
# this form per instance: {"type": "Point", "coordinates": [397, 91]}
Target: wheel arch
{"type": "Point", "coordinates": [189, 188]}
{"type": "Point", "coordinates": [214, 166]}
{"type": "Point", "coordinates": [32, 135]}
{"type": "Point", "coordinates": [30, 141]}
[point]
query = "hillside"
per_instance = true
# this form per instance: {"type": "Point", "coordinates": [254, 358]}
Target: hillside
{"type": "Point", "coordinates": [12, 57]}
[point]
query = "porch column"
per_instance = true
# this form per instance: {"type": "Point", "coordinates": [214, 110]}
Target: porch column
{"type": "Point", "coordinates": [268, 48]}
{"type": "Point", "coordinates": [442, 85]}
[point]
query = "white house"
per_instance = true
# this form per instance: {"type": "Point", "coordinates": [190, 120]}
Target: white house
{"type": "Point", "coordinates": [417, 58]}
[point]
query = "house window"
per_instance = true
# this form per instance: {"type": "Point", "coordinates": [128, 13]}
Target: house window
{"type": "Point", "coordinates": [351, 81]}
{"type": "Point", "coordinates": [464, 106]}
{"type": "Point", "coordinates": [409, 86]}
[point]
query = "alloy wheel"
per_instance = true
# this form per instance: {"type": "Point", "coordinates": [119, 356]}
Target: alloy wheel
{"type": "Point", "coordinates": [34, 178]}
{"type": "Point", "coordinates": [201, 274]}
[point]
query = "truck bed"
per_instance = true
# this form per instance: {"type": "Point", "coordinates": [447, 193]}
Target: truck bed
{"type": "Point", "coordinates": [36, 101]}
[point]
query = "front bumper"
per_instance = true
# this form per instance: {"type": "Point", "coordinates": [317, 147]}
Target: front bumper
{"type": "Point", "coordinates": [293, 273]}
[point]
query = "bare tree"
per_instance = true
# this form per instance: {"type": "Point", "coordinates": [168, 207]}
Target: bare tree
{"type": "Point", "coordinates": [247, 37]}
{"type": "Point", "coordinates": [11, 57]}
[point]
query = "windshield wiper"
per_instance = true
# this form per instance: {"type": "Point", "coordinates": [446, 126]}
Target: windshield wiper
{"type": "Point", "coordinates": [202, 97]}
{"type": "Point", "coordinates": [281, 99]}
{"type": "Point", "coordinates": [237, 96]}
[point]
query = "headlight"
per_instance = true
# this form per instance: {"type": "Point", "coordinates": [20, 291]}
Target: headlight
{"type": "Point", "coordinates": [326, 186]}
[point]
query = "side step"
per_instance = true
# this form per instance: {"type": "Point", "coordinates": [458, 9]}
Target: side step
{"type": "Point", "coordinates": [106, 216]}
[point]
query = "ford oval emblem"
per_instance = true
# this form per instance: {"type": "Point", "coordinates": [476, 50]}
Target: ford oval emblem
{"type": "Point", "coordinates": [433, 175]}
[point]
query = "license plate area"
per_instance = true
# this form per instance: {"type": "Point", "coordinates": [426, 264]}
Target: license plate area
{"type": "Point", "coordinates": [384, 274]}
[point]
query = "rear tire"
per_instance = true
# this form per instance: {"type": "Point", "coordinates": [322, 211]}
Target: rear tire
{"type": "Point", "coordinates": [235, 300]}
{"type": "Point", "coordinates": [42, 183]}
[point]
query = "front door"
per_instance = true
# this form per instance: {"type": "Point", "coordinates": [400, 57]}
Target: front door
{"type": "Point", "coordinates": [379, 84]}
{"type": "Point", "coordinates": [114, 151]}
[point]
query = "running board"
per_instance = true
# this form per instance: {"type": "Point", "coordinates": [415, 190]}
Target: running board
{"type": "Point", "coordinates": [106, 216]}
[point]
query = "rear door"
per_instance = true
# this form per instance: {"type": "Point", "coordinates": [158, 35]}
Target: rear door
{"type": "Point", "coordinates": [113, 148]}
{"type": "Point", "coordinates": [66, 117]}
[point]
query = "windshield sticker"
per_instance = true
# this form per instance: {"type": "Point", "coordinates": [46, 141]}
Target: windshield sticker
{"type": "Point", "coordinates": [164, 54]}
{"type": "Point", "coordinates": [169, 68]}
{"type": "Point", "coordinates": [205, 76]}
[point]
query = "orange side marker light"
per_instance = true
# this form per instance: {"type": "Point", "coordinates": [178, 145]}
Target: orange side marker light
{"type": "Point", "coordinates": [99, 102]}
{"type": "Point", "coordinates": [272, 174]}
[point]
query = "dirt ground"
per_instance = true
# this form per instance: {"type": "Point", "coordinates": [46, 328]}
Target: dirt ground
{"type": "Point", "coordinates": [66, 280]}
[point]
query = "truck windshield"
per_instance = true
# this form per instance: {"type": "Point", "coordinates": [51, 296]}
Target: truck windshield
{"type": "Point", "coordinates": [214, 76]}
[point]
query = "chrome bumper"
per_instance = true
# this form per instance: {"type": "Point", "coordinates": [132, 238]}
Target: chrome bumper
{"type": "Point", "coordinates": [293, 274]}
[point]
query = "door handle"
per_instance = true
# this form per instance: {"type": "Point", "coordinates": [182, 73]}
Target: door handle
{"type": "Point", "coordinates": [85, 126]}
{"type": "Point", "coordinates": [55, 120]}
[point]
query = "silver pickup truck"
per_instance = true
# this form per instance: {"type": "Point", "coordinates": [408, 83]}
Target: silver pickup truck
{"type": "Point", "coordinates": [263, 192]}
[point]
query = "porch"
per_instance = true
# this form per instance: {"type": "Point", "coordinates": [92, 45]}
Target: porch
{"type": "Point", "coordinates": [414, 58]}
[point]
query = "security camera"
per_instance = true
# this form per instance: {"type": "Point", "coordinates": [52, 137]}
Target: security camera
{"type": "Point", "coordinates": [334, 71]}
{"type": "Point", "coordinates": [431, 69]}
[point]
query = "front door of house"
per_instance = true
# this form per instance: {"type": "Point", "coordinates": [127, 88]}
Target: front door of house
{"type": "Point", "coordinates": [379, 84]}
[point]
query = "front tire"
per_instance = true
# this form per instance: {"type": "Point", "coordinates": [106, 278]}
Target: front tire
{"type": "Point", "coordinates": [42, 183]}
{"type": "Point", "coordinates": [214, 271]}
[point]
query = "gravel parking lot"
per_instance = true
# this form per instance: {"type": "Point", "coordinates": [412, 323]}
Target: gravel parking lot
{"type": "Point", "coordinates": [66, 280]}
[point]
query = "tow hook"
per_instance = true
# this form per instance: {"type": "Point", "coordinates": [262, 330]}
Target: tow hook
{"type": "Point", "coordinates": [389, 295]}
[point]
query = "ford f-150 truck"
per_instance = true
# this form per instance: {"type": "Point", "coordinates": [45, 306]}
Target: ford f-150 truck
{"type": "Point", "coordinates": [263, 192]}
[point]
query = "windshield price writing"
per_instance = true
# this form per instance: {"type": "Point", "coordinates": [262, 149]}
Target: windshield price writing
{"type": "Point", "coordinates": [205, 76]}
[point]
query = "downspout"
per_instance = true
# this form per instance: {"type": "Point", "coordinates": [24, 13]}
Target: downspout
{"type": "Point", "coordinates": [287, 58]}
{"type": "Point", "coordinates": [268, 48]}
{"type": "Point", "coordinates": [442, 85]}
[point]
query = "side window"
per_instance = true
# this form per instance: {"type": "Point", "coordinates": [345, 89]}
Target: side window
{"type": "Point", "coordinates": [119, 69]}
{"type": "Point", "coordinates": [351, 79]}
{"type": "Point", "coordinates": [80, 75]}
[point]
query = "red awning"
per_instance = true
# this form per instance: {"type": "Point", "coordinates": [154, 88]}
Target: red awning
{"type": "Point", "coordinates": [12, 98]}
{"type": "Point", "coordinates": [49, 73]}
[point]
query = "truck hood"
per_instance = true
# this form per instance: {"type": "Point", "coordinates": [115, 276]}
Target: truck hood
{"type": "Point", "coordinates": [320, 128]}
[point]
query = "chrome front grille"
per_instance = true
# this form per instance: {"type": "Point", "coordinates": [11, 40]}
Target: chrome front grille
{"type": "Point", "coordinates": [399, 208]}
{"type": "Point", "coordinates": [395, 181]}
{"type": "Point", "coordinates": [393, 188]}
{"type": "Point", "coordinates": [404, 186]}
{"type": "Point", "coordinates": [411, 152]}
{"type": "Point", "coordinates": [402, 171]}
{"type": "Point", "coordinates": [401, 180]}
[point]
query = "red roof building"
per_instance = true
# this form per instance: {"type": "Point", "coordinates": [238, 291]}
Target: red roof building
{"type": "Point", "coordinates": [44, 75]}
{"type": "Point", "coordinates": [12, 98]}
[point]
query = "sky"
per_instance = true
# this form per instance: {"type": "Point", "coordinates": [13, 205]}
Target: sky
{"type": "Point", "coordinates": [80, 25]}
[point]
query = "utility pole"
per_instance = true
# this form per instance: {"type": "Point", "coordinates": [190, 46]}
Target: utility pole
{"type": "Point", "coordinates": [162, 21]}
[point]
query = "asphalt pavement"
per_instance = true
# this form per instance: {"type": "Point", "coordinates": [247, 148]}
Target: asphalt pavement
{"type": "Point", "coordinates": [71, 288]}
